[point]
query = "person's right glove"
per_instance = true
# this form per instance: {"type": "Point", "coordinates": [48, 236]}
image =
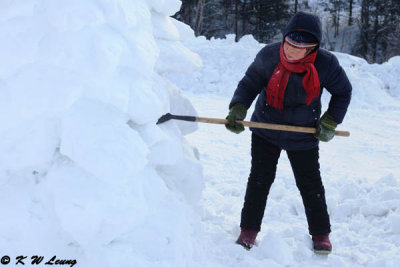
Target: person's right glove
{"type": "Point", "coordinates": [326, 128]}
{"type": "Point", "coordinates": [237, 112]}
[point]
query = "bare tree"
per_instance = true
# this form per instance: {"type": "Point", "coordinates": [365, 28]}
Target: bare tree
{"type": "Point", "coordinates": [236, 20]}
{"type": "Point", "coordinates": [199, 16]}
{"type": "Point", "coordinates": [350, 12]}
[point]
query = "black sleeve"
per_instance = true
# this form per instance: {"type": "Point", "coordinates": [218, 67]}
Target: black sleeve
{"type": "Point", "coordinates": [251, 84]}
{"type": "Point", "coordinates": [339, 86]}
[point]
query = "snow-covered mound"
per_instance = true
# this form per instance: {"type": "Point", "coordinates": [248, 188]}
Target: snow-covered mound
{"type": "Point", "coordinates": [227, 61]}
{"type": "Point", "coordinates": [224, 64]}
{"type": "Point", "coordinates": [85, 172]}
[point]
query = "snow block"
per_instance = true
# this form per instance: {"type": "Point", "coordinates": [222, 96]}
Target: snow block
{"type": "Point", "coordinates": [96, 136]}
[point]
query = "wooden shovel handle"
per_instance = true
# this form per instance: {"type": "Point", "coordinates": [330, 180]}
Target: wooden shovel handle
{"type": "Point", "coordinates": [270, 126]}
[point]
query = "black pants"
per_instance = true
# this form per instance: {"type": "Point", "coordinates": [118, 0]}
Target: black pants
{"type": "Point", "coordinates": [305, 167]}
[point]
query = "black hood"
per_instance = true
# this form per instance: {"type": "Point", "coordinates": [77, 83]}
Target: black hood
{"type": "Point", "coordinates": [307, 22]}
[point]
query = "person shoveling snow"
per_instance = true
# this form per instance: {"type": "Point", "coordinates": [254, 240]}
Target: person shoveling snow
{"type": "Point", "coordinates": [288, 77]}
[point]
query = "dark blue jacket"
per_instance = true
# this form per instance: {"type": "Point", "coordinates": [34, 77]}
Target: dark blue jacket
{"type": "Point", "coordinates": [295, 111]}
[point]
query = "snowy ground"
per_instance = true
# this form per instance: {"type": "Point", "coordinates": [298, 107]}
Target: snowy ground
{"type": "Point", "coordinates": [361, 173]}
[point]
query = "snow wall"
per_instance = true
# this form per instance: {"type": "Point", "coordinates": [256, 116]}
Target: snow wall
{"type": "Point", "coordinates": [85, 173]}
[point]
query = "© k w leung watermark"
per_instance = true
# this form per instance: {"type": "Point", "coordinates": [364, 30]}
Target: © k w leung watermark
{"type": "Point", "coordinates": [37, 260]}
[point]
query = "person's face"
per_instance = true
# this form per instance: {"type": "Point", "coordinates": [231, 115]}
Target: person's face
{"type": "Point", "coordinates": [294, 53]}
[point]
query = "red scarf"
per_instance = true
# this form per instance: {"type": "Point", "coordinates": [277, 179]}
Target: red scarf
{"type": "Point", "coordinates": [280, 77]}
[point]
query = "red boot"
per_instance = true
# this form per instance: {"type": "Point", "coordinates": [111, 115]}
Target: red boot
{"type": "Point", "coordinates": [321, 243]}
{"type": "Point", "coordinates": [247, 238]}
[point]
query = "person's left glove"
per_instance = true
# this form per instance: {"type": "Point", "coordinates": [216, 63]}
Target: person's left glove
{"type": "Point", "coordinates": [326, 128]}
{"type": "Point", "coordinates": [237, 112]}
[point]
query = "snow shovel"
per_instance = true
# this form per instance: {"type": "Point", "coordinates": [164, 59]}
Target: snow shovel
{"type": "Point", "coordinates": [252, 124]}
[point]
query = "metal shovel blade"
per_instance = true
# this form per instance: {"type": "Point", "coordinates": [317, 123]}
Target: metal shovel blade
{"type": "Point", "coordinates": [164, 118]}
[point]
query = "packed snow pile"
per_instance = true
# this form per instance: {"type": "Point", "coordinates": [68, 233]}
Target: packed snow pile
{"type": "Point", "coordinates": [85, 172]}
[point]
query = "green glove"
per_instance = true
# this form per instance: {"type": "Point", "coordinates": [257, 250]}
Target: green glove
{"type": "Point", "coordinates": [237, 112]}
{"type": "Point", "coordinates": [326, 128]}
